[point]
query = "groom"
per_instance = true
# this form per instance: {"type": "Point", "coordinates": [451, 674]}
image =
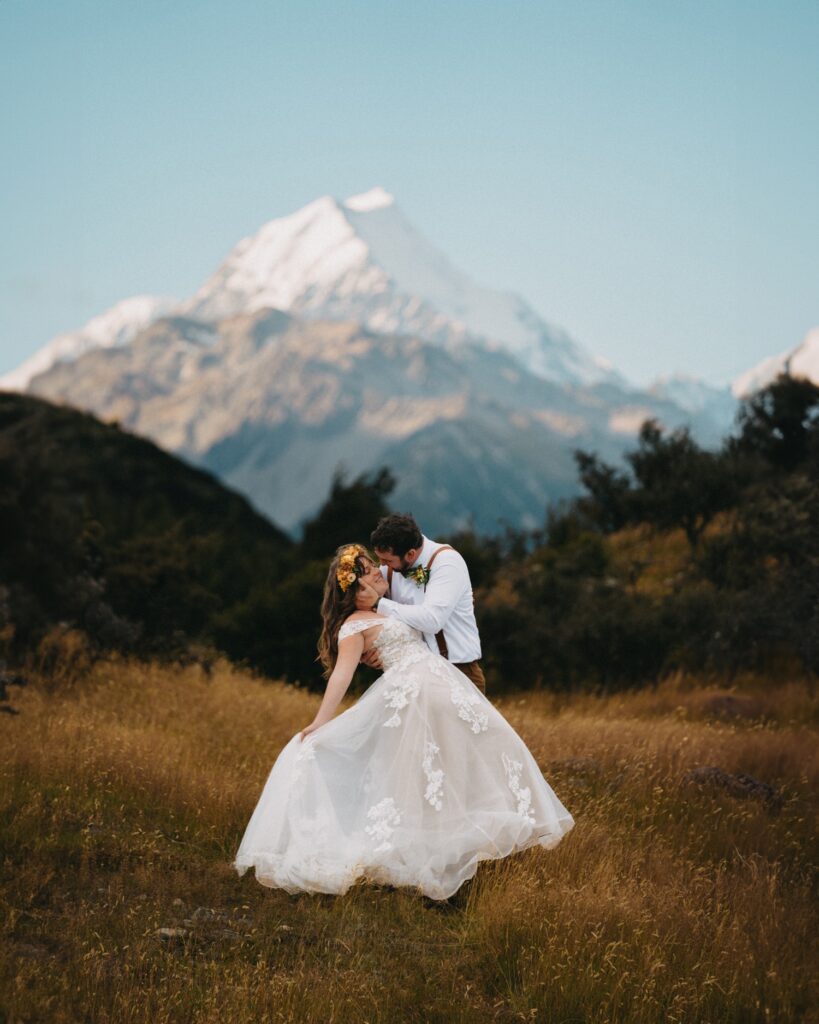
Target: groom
{"type": "Point", "coordinates": [430, 589]}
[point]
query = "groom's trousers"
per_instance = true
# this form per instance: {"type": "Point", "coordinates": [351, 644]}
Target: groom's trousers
{"type": "Point", "coordinates": [472, 670]}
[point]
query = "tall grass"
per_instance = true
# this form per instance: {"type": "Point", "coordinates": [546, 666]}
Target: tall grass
{"type": "Point", "coordinates": [125, 793]}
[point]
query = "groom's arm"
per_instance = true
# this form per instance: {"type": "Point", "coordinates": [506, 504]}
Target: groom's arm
{"type": "Point", "coordinates": [447, 583]}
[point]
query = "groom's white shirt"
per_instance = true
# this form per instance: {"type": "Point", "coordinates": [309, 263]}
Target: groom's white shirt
{"type": "Point", "coordinates": [446, 603]}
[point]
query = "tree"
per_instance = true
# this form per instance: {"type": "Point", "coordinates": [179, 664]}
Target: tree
{"type": "Point", "coordinates": [781, 423]}
{"type": "Point", "coordinates": [609, 502]}
{"type": "Point", "coordinates": [349, 513]}
{"type": "Point", "coordinates": [679, 483]}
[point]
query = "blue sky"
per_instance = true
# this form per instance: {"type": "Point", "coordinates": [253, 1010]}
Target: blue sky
{"type": "Point", "coordinates": [646, 174]}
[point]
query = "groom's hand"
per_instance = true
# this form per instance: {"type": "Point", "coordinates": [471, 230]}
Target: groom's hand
{"type": "Point", "coordinates": [372, 659]}
{"type": "Point", "coordinates": [366, 597]}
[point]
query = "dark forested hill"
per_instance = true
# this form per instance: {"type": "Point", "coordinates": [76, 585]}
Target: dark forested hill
{"type": "Point", "coordinates": [105, 532]}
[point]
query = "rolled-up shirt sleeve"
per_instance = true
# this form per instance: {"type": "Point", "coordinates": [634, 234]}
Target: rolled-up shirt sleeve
{"type": "Point", "coordinates": [447, 583]}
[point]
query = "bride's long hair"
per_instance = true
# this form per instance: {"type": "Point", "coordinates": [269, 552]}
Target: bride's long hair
{"type": "Point", "coordinates": [338, 604]}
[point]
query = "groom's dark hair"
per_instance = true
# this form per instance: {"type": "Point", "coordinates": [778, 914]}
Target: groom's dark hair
{"type": "Point", "coordinates": [397, 533]}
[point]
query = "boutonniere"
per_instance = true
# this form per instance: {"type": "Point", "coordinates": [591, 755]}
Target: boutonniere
{"type": "Point", "coordinates": [419, 575]}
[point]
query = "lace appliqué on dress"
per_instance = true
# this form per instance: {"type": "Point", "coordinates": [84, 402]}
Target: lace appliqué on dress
{"type": "Point", "coordinates": [468, 705]}
{"type": "Point", "coordinates": [384, 817]}
{"type": "Point", "coordinates": [353, 626]}
{"type": "Point", "coordinates": [400, 648]}
{"type": "Point", "coordinates": [435, 776]}
{"type": "Point", "coordinates": [399, 645]}
{"type": "Point", "coordinates": [522, 793]}
{"type": "Point", "coordinates": [397, 697]}
{"type": "Point", "coordinates": [307, 752]}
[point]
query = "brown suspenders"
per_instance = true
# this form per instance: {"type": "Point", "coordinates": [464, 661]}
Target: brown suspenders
{"type": "Point", "coordinates": [439, 636]}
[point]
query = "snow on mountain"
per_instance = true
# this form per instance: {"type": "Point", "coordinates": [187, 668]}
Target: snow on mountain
{"type": "Point", "coordinates": [375, 199]}
{"type": "Point", "coordinates": [690, 393]}
{"type": "Point", "coordinates": [712, 409]}
{"type": "Point", "coordinates": [115, 327]}
{"type": "Point", "coordinates": [362, 260]}
{"type": "Point", "coordinates": [308, 253]}
{"type": "Point", "coordinates": [801, 361]}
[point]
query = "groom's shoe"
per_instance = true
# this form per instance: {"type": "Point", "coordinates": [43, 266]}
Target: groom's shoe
{"type": "Point", "coordinates": [456, 902]}
{"type": "Point", "coordinates": [460, 898]}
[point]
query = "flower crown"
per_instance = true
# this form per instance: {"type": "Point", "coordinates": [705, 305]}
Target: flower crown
{"type": "Point", "coordinates": [346, 573]}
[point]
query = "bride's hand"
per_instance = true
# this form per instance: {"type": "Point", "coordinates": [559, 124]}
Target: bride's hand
{"type": "Point", "coordinates": [310, 728]}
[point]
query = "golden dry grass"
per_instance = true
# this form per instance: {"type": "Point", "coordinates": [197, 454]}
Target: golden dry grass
{"type": "Point", "coordinates": [129, 789]}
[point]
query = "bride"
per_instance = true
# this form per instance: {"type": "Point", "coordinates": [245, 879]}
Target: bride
{"type": "Point", "coordinates": [413, 785]}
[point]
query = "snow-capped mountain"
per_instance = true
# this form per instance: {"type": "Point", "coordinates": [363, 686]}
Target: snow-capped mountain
{"type": "Point", "coordinates": [116, 326]}
{"type": "Point", "coordinates": [362, 260]}
{"type": "Point", "coordinates": [801, 361]}
{"type": "Point", "coordinates": [358, 260]}
{"type": "Point", "coordinates": [339, 335]}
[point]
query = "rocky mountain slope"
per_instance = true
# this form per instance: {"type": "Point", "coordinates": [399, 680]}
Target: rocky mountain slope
{"type": "Point", "coordinates": [116, 326]}
{"type": "Point", "coordinates": [273, 404]}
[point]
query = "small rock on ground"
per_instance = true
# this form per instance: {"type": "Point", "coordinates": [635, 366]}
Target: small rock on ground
{"type": "Point", "coordinates": [739, 785]}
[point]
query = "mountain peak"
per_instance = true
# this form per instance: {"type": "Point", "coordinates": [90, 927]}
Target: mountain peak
{"type": "Point", "coordinates": [375, 199]}
{"type": "Point", "coordinates": [362, 260]}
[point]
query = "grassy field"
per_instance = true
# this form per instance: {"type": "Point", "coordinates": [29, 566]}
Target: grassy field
{"type": "Point", "coordinates": [125, 793]}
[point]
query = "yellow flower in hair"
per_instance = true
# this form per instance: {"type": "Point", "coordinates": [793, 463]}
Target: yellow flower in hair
{"type": "Point", "coordinates": [346, 573]}
{"type": "Point", "coordinates": [346, 580]}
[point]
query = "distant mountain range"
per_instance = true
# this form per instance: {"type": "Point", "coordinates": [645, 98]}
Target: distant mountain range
{"type": "Point", "coordinates": [339, 336]}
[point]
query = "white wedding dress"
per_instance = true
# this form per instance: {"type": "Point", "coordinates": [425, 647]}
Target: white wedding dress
{"type": "Point", "coordinates": [412, 786]}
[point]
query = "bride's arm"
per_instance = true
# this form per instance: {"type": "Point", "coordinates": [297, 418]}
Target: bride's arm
{"type": "Point", "coordinates": [349, 654]}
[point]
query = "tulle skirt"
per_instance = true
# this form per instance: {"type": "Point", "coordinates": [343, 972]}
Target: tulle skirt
{"type": "Point", "coordinates": [412, 786]}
